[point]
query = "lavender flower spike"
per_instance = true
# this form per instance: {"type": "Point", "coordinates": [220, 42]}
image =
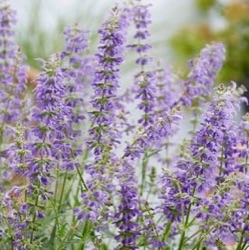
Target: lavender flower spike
{"type": "Point", "coordinates": [105, 84]}
{"type": "Point", "coordinates": [144, 85]}
{"type": "Point", "coordinates": [102, 136]}
{"type": "Point", "coordinates": [48, 122]}
{"type": "Point", "coordinates": [12, 70]}
{"type": "Point", "coordinates": [203, 70]}
{"type": "Point", "coordinates": [205, 167]}
{"type": "Point", "coordinates": [128, 209]}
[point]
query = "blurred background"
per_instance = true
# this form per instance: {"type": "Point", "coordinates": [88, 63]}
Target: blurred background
{"type": "Point", "coordinates": [178, 32]}
{"type": "Point", "coordinates": [41, 23]}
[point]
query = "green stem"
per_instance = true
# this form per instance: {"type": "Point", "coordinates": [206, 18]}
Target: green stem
{"type": "Point", "coordinates": [186, 222]}
{"type": "Point", "coordinates": [34, 219]}
{"type": "Point", "coordinates": [81, 179]}
{"type": "Point", "coordinates": [67, 237]}
{"type": "Point", "coordinates": [239, 247]}
{"type": "Point", "coordinates": [245, 246]}
{"type": "Point", "coordinates": [62, 191]}
{"type": "Point", "coordinates": [203, 235]}
{"type": "Point", "coordinates": [153, 223]}
{"type": "Point", "coordinates": [240, 243]}
{"type": "Point", "coordinates": [143, 176]}
{"type": "Point", "coordinates": [54, 205]}
{"type": "Point", "coordinates": [181, 240]}
{"type": "Point", "coordinates": [166, 232]}
{"type": "Point", "coordinates": [80, 182]}
{"type": "Point", "coordinates": [187, 216]}
{"type": "Point", "coordinates": [85, 232]}
{"type": "Point", "coordinates": [193, 235]}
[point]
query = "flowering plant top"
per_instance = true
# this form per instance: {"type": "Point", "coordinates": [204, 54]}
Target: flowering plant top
{"type": "Point", "coordinates": [90, 163]}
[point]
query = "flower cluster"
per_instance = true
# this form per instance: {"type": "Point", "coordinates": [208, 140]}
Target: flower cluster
{"type": "Point", "coordinates": [196, 189]}
{"type": "Point", "coordinates": [87, 164]}
{"type": "Point", "coordinates": [203, 70]}
{"type": "Point", "coordinates": [12, 71]}
{"type": "Point", "coordinates": [103, 135]}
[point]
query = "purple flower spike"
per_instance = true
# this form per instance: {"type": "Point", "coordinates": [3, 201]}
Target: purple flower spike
{"type": "Point", "coordinates": [128, 210]}
{"type": "Point", "coordinates": [103, 134]}
{"type": "Point", "coordinates": [140, 16]}
{"type": "Point", "coordinates": [12, 70]}
{"type": "Point", "coordinates": [145, 81]}
{"type": "Point", "coordinates": [203, 71]}
{"type": "Point", "coordinates": [106, 83]}
{"type": "Point", "coordinates": [206, 165]}
{"type": "Point", "coordinates": [50, 118]}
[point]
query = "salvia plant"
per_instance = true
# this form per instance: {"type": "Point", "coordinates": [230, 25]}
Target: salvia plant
{"type": "Point", "coordinates": [94, 159]}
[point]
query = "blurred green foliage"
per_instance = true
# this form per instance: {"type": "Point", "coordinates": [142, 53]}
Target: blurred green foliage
{"type": "Point", "coordinates": [235, 35]}
{"type": "Point", "coordinates": [37, 41]}
{"type": "Point", "coordinates": [34, 39]}
{"type": "Point", "coordinates": [205, 4]}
